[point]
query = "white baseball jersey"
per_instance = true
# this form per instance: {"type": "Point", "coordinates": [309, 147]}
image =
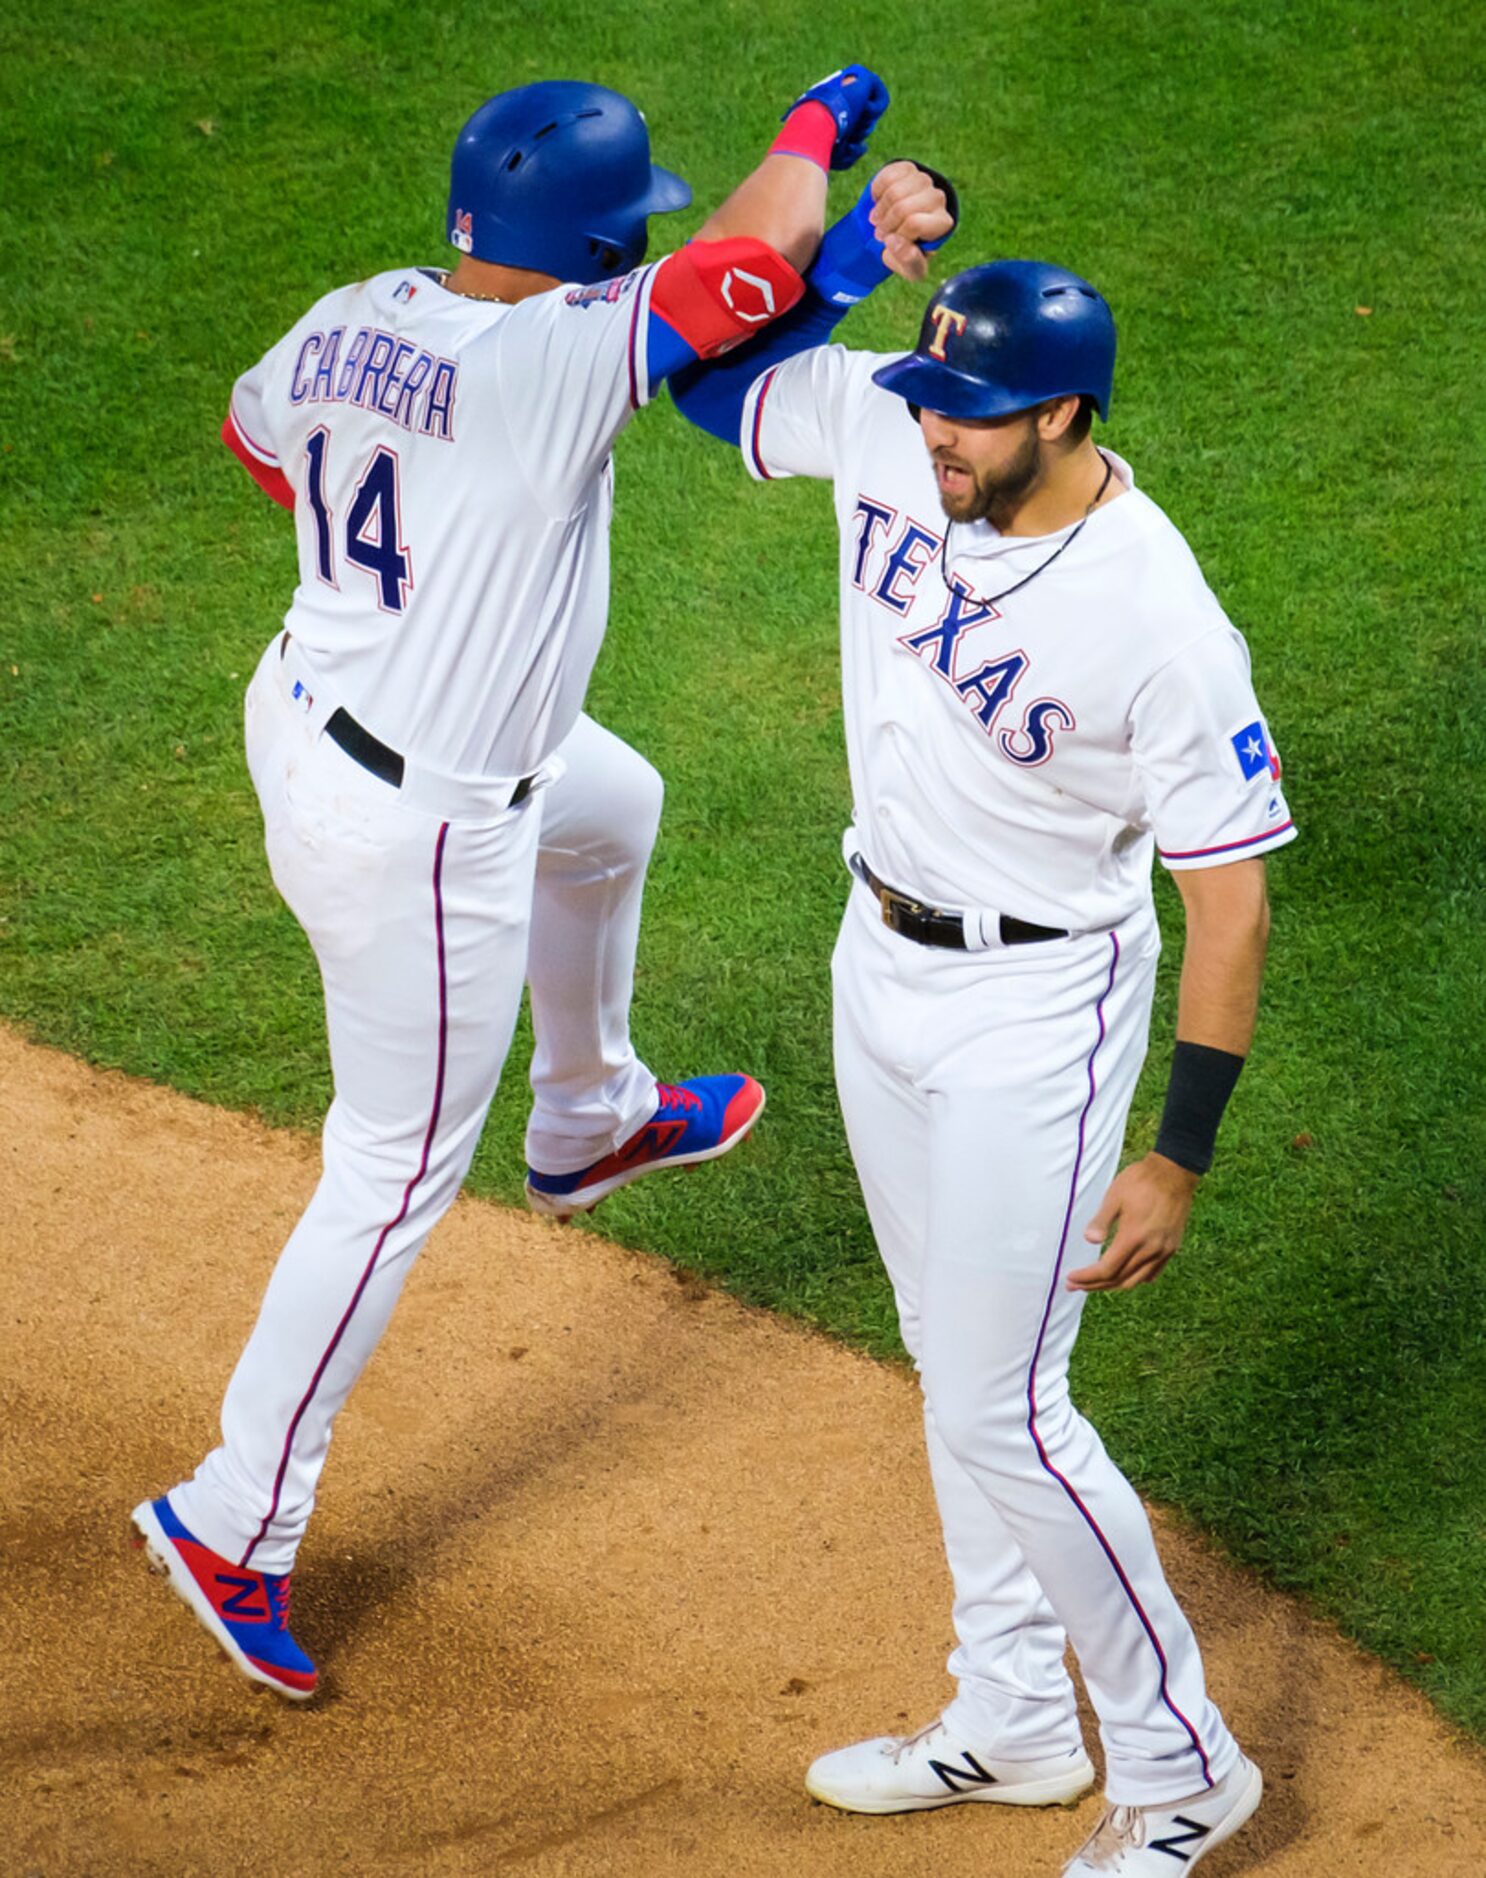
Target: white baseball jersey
{"type": "Point", "coordinates": [1024, 754]}
{"type": "Point", "coordinates": [450, 461]}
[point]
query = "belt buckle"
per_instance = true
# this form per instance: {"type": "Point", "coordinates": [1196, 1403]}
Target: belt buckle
{"type": "Point", "coordinates": [901, 915]}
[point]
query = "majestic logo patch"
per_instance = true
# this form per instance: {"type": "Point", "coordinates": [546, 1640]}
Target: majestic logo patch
{"type": "Point", "coordinates": [1256, 755]}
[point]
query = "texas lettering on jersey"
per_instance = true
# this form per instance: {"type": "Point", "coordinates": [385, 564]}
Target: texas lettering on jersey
{"type": "Point", "coordinates": [963, 647]}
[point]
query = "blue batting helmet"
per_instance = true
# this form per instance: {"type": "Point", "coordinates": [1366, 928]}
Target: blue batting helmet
{"type": "Point", "coordinates": [1001, 338]}
{"type": "Point", "coordinates": [557, 177]}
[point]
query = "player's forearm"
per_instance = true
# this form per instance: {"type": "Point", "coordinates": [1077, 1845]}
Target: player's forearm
{"type": "Point", "coordinates": [1223, 957]}
{"type": "Point", "coordinates": [1222, 965]}
{"type": "Point", "coordinates": [783, 203]}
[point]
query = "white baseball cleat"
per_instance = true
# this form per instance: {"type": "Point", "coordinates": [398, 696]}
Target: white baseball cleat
{"type": "Point", "coordinates": [1160, 1841]}
{"type": "Point", "coordinates": [914, 1773]}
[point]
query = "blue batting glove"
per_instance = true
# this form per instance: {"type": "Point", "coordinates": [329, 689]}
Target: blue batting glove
{"type": "Point", "coordinates": [855, 106]}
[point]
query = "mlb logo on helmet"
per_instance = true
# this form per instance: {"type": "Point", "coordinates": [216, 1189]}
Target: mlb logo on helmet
{"type": "Point", "coordinates": [463, 232]}
{"type": "Point", "coordinates": [1256, 755]}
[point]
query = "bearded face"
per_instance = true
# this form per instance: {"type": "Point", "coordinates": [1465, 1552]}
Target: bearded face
{"type": "Point", "coordinates": [984, 467]}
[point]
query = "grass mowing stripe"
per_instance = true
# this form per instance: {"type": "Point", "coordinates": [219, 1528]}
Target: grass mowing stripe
{"type": "Point", "coordinates": [1271, 195]}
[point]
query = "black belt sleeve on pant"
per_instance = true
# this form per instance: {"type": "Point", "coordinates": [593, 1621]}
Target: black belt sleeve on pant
{"type": "Point", "coordinates": [383, 761]}
{"type": "Point", "coordinates": [369, 751]}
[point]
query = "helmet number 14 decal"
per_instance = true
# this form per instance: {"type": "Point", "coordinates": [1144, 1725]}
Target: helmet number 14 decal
{"type": "Point", "coordinates": [373, 532]}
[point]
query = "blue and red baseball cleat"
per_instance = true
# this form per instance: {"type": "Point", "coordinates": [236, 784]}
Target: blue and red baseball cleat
{"type": "Point", "coordinates": [246, 1611]}
{"type": "Point", "coordinates": [696, 1121]}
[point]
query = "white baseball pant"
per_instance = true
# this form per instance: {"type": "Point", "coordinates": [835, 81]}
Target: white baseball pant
{"type": "Point", "coordinates": [985, 1097]}
{"type": "Point", "coordinates": [424, 929]}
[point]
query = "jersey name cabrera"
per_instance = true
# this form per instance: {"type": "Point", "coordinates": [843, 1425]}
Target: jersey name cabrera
{"type": "Point", "coordinates": [1026, 754]}
{"type": "Point", "coordinates": [449, 465]}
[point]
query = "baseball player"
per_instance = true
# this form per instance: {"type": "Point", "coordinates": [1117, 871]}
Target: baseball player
{"type": "Point", "coordinates": [438, 813]}
{"type": "Point", "coordinates": [1040, 692]}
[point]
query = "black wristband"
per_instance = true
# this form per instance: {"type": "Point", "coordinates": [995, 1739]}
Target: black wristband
{"type": "Point", "coordinates": [1202, 1079]}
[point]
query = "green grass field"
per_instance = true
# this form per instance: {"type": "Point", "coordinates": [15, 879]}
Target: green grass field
{"type": "Point", "coordinates": [1278, 200]}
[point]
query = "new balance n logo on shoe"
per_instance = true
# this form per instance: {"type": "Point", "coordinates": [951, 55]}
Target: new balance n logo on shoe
{"type": "Point", "coordinates": [653, 1140]}
{"type": "Point", "coordinates": [959, 1779]}
{"type": "Point", "coordinates": [1194, 1835]}
{"type": "Point", "coordinates": [241, 1604]}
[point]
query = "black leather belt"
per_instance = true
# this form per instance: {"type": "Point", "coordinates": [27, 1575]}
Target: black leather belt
{"type": "Point", "coordinates": [932, 926]}
{"type": "Point", "coordinates": [380, 758]}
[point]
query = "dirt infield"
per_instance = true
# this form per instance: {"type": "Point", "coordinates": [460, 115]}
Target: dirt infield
{"type": "Point", "coordinates": [603, 1560]}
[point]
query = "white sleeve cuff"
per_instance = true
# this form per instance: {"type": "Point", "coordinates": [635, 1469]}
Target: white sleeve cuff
{"type": "Point", "coordinates": [1222, 852]}
{"type": "Point", "coordinates": [750, 429]}
{"type": "Point", "coordinates": [256, 448]}
{"type": "Point", "coordinates": [640, 389]}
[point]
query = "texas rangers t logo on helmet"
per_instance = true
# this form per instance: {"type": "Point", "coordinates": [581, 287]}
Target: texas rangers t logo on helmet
{"type": "Point", "coordinates": [944, 317]}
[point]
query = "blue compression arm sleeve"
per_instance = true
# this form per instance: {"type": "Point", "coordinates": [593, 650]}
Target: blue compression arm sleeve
{"type": "Point", "coordinates": [665, 350]}
{"type": "Point", "coordinates": [711, 395]}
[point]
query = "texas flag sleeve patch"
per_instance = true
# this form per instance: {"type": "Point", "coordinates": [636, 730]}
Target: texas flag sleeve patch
{"type": "Point", "coordinates": [1256, 755]}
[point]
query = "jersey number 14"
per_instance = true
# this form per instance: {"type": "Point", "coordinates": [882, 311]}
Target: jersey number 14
{"type": "Point", "coordinates": [373, 532]}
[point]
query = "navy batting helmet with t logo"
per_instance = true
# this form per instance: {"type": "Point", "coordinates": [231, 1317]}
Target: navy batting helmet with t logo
{"type": "Point", "coordinates": [557, 177]}
{"type": "Point", "coordinates": [1001, 338]}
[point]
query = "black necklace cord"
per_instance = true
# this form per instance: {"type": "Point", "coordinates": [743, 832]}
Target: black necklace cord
{"type": "Point", "coordinates": [1042, 566]}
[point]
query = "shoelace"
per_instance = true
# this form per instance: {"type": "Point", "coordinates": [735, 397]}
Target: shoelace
{"type": "Point", "coordinates": [278, 1600]}
{"type": "Point", "coordinates": [1121, 1830]}
{"type": "Point", "coordinates": [900, 1748]}
{"type": "Point", "coordinates": [672, 1095]}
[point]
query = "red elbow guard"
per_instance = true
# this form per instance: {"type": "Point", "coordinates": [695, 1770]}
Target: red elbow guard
{"type": "Point", "coordinates": [716, 293]}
